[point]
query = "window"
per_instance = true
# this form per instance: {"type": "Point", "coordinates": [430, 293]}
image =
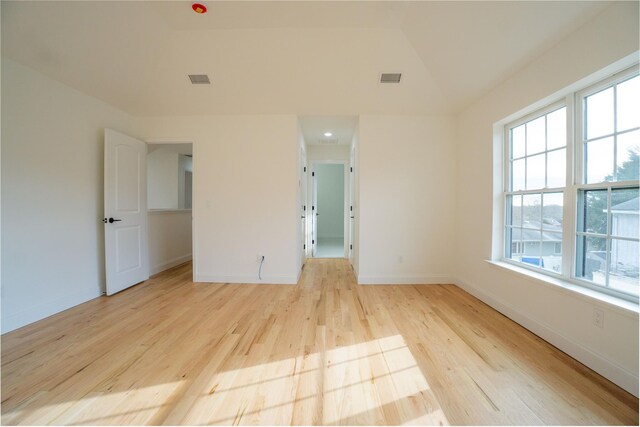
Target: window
{"type": "Point", "coordinates": [535, 196]}
{"type": "Point", "coordinates": [577, 216]}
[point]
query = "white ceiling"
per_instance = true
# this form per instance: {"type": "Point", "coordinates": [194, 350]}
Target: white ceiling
{"type": "Point", "coordinates": [342, 128]}
{"type": "Point", "coordinates": [307, 58]}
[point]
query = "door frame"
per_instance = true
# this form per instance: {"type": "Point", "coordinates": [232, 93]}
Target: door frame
{"type": "Point", "coordinates": [347, 196]}
{"type": "Point", "coordinates": [161, 141]}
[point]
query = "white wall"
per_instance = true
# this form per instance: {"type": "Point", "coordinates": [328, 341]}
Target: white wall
{"type": "Point", "coordinates": [52, 195]}
{"type": "Point", "coordinates": [406, 199]}
{"type": "Point", "coordinates": [169, 239]}
{"type": "Point", "coordinates": [330, 198]}
{"type": "Point", "coordinates": [561, 317]}
{"type": "Point", "coordinates": [162, 179]}
{"type": "Point", "coordinates": [244, 194]}
{"type": "Point", "coordinates": [328, 152]}
{"type": "Point", "coordinates": [185, 164]}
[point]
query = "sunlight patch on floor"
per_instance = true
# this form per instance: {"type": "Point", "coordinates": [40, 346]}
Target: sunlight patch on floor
{"type": "Point", "coordinates": [324, 387]}
{"type": "Point", "coordinates": [374, 382]}
{"type": "Point", "coordinates": [135, 406]}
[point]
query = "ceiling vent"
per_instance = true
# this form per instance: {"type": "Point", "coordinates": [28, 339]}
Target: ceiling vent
{"type": "Point", "coordinates": [199, 79]}
{"type": "Point", "coordinates": [390, 77]}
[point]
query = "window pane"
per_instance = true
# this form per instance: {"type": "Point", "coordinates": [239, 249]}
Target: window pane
{"type": "Point", "coordinates": [531, 247]}
{"type": "Point", "coordinates": [552, 251]}
{"type": "Point", "coordinates": [557, 129]}
{"type": "Point", "coordinates": [535, 172]}
{"type": "Point", "coordinates": [594, 212]}
{"type": "Point", "coordinates": [514, 244]}
{"type": "Point", "coordinates": [628, 152]}
{"type": "Point", "coordinates": [593, 259]}
{"type": "Point", "coordinates": [625, 220]}
{"type": "Point", "coordinates": [599, 115]}
{"type": "Point", "coordinates": [552, 211]}
{"type": "Point", "coordinates": [531, 210]}
{"type": "Point", "coordinates": [556, 168]}
{"type": "Point", "coordinates": [517, 142]}
{"type": "Point", "coordinates": [514, 204]}
{"type": "Point", "coordinates": [628, 100]}
{"type": "Point", "coordinates": [599, 155]}
{"type": "Point", "coordinates": [535, 136]}
{"type": "Point", "coordinates": [623, 269]}
{"type": "Point", "coordinates": [517, 175]}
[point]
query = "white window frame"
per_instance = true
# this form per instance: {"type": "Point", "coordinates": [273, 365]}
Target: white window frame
{"type": "Point", "coordinates": [575, 178]}
{"type": "Point", "coordinates": [580, 179]}
{"type": "Point", "coordinates": [506, 191]}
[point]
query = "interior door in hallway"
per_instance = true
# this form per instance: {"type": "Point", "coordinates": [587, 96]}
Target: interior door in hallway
{"type": "Point", "coordinates": [125, 211]}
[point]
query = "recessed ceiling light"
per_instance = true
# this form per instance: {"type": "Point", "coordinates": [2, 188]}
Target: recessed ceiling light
{"type": "Point", "coordinates": [328, 134]}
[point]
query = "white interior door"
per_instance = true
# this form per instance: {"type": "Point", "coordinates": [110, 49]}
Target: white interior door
{"type": "Point", "coordinates": [314, 213]}
{"type": "Point", "coordinates": [125, 211]}
{"type": "Point", "coordinates": [352, 214]}
{"type": "Point", "coordinates": [303, 208]}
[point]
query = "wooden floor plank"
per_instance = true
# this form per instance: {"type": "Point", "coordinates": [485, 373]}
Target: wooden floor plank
{"type": "Point", "coordinates": [326, 351]}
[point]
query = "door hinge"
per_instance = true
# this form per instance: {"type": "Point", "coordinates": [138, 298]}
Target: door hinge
{"type": "Point", "coordinates": [313, 208]}
{"type": "Point", "coordinates": [304, 246]}
{"type": "Point", "coordinates": [351, 169]}
{"type": "Point", "coordinates": [351, 247]}
{"type": "Point", "coordinates": [351, 208]}
{"type": "Point", "coordinates": [305, 169]}
{"type": "Point", "coordinates": [313, 174]}
{"type": "Point", "coordinates": [313, 242]}
{"type": "Point", "coordinates": [304, 207]}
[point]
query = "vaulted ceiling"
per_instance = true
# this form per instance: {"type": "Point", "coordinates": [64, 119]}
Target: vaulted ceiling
{"type": "Point", "coordinates": [305, 58]}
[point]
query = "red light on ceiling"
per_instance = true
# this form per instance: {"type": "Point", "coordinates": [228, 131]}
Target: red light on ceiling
{"type": "Point", "coordinates": [199, 8]}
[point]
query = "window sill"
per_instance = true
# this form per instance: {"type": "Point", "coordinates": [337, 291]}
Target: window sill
{"type": "Point", "coordinates": [620, 305]}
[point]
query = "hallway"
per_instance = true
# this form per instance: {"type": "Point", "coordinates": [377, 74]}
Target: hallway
{"type": "Point", "coordinates": [325, 351]}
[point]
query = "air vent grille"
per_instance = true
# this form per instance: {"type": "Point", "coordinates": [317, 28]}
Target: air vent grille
{"type": "Point", "coordinates": [390, 77]}
{"type": "Point", "coordinates": [199, 79]}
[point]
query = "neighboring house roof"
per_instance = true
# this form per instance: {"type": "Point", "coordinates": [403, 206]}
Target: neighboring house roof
{"type": "Point", "coordinates": [630, 206]}
{"type": "Point", "coordinates": [525, 235]}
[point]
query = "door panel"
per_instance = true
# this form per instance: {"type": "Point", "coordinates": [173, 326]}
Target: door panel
{"type": "Point", "coordinates": [125, 211]}
{"type": "Point", "coordinates": [314, 213]}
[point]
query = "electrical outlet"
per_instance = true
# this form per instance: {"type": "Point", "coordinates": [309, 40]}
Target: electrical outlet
{"type": "Point", "coordinates": [598, 318]}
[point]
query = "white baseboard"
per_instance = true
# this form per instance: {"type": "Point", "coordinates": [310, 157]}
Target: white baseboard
{"type": "Point", "coordinates": [437, 279]}
{"type": "Point", "coordinates": [605, 367]}
{"type": "Point", "coordinates": [241, 280]}
{"type": "Point", "coordinates": [46, 309]}
{"type": "Point", "coordinates": [169, 264]}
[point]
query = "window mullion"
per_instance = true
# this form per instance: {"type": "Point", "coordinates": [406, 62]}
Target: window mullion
{"type": "Point", "coordinates": [569, 208]}
{"type": "Point", "coordinates": [615, 133]}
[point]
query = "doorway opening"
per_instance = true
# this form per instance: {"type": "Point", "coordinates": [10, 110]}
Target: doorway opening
{"type": "Point", "coordinates": [328, 195]}
{"type": "Point", "coordinates": [169, 202]}
{"type": "Point", "coordinates": [329, 209]}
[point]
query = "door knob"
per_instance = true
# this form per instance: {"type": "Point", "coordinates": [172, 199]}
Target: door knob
{"type": "Point", "coordinates": [110, 220]}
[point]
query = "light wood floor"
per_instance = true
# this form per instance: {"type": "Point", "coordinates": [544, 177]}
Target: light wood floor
{"type": "Point", "coordinates": [326, 351]}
